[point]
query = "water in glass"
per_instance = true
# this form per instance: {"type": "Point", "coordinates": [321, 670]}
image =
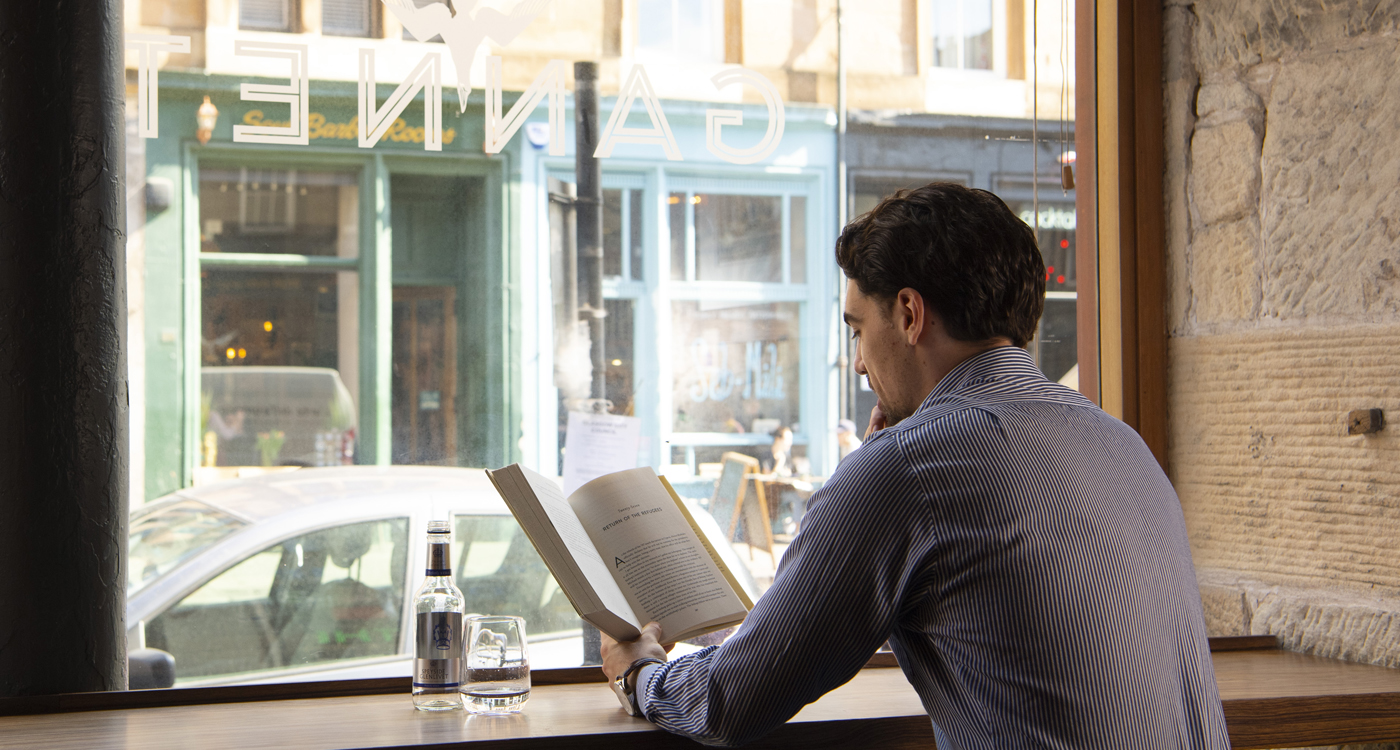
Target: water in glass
{"type": "Point", "coordinates": [496, 678]}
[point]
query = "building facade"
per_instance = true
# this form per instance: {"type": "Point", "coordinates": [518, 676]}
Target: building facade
{"type": "Point", "coordinates": [426, 280]}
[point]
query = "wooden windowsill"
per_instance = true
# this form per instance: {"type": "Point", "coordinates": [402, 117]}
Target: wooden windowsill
{"type": "Point", "coordinates": [1271, 698]}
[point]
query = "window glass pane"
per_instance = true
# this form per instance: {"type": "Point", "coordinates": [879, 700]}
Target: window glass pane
{"type": "Point", "coordinates": [797, 235]}
{"type": "Point", "coordinates": [330, 595]}
{"type": "Point", "coordinates": [945, 21]}
{"type": "Point", "coordinates": [346, 17]}
{"type": "Point", "coordinates": [500, 572]}
{"type": "Point", "coordinates": [163, 539]}
{"type": "Point", "coordinates": [267, 15]}
{"type": "Point", "coordinates": [617, 345]}
{"type": "Point", "coordinates": [738, 238]}
{"type": "Point", "coordinates": [635, 216]}
{"type": "Point", "coordinates": [612, 232]}
{"type": "Point", "coordinates": [977, 34]}
{"type": "Point", "coordinates": [475, 344]}
{"type": "Point", "coordinates": [1057, 225]}
{"type": "Point", "coordinates": [1057, 348]}
{"type": "Point", "coordinates": [275, 391]}
{"type": "Point", "coordinates": [676, 203]}
{"type": "Point", "coordinates": [736, 366]}
{"type": "Point", "coordinates": [245, 210]}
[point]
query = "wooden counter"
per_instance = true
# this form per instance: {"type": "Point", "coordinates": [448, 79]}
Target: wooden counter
{"type": "Point", "coordinates": [1272, 699]}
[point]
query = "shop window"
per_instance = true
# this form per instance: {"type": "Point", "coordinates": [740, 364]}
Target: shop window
{"type": "Point", "coordinates": [246, 210]}
{"type": "Point", "coordinates": [622, 234]}
{"type": "Point", "coordinates": [797, 239]}
{"type": "Point", "coordinates": [1056, 344]}
{"type": "Point", "coordinates": [265, 15]}
{"type": "Point", "coordinates": [723, 237]}
{"type": "Point", "coordinates": [678, 211]}
{"type": "Point", "coordinates": [348, 17]}
{"type": "Point", "coordinates": [272, 388]}
{"type": "Point", "coordinates": [331, 595]}
{"type": "Point", "coordinates": [962, 34]}
{"type": "Point", "coordinates": [736, 366]}
{"type": "Point", "coordinates": [738, 238]}
{"type": "Point", "coordinates": [278, 346]}
{"type": "Point", "coordinates": [618, 350]}
{"type": "Point", "coordinates": [1056, 227]}
{"type": "Point", "coordinates": [690, 31]}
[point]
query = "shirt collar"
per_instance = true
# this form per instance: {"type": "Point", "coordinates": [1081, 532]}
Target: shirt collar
{"type": "Point", "coordinates": [993, 364]}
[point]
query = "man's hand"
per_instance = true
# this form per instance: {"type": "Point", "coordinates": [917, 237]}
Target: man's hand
{"type": "Point", "coordinates": [618, 656]}
{"type": "Point", "coordinates": [877, 421]}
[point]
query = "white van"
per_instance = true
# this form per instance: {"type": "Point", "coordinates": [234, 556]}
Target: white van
{"type": "Point", "coordinates": [245, 408]}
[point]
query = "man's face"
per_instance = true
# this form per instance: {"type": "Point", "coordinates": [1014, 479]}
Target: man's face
{"type": "Point", "coordinates": [883, 353]}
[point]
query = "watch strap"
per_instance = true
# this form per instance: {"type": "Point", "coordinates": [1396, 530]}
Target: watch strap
{"type": "Point", "coordinates": [622, 689]}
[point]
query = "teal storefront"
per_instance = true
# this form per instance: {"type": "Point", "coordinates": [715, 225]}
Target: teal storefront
{"type": "Point", "coordinates": [424, 279]}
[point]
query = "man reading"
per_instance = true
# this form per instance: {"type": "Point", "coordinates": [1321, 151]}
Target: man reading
{"type": "Point", "coordinates": [1022, 551]}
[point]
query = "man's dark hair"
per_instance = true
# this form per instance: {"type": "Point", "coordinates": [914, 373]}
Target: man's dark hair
{"type": "Point", "coordinates": [975, 263]}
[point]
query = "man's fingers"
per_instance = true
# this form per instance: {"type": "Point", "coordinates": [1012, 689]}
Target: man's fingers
{"type": "Point", "coordinates": [652, 630]}
{"type": "Point", "coordinates": [877, 420]}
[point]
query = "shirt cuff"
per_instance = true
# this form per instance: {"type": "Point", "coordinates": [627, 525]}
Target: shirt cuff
{"type": "Point", "coordinates": [644, 686]}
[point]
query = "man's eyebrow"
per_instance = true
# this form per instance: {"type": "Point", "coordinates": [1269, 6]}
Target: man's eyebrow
{"type": "Point", "coordinates": [850, 319]}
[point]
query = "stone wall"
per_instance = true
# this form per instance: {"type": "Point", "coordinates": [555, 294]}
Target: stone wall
{"type": "Point", "coordinates": [1283, 152]}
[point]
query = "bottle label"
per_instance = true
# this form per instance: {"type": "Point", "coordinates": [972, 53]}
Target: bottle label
{"type": "Point", "coordinates": [437, 659]}
{"type": "Point", "coordinates": [438, 562]}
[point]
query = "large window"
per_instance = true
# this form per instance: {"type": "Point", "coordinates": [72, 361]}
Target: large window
{"type": "Point", "coordinates": [278, 343]}
{"type": "Point", "coordinates": [316, 309]}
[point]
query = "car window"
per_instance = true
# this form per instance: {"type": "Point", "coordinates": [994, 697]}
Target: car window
{"type": "Point", "coordinates": [500, 573]}
{"type": "Point", "coordinates": [325, 596]}
{"type": "Point", "coordinates": [163, 538]}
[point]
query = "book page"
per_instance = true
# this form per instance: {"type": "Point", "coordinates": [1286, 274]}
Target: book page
{"type": "Point", "coordinates": [568, 532]}
{"type": "Point", "coordinates": [655, 555]}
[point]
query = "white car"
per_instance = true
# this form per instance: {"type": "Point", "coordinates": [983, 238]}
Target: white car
{"type": "Point", "coordinates": [310, 574]}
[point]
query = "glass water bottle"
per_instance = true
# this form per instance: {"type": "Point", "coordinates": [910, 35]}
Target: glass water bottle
{"type": "Point", "coordinates": [437, 662]}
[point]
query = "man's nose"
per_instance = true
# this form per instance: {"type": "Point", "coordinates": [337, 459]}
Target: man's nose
{"type": "Point", "coordinates": [859, 361]}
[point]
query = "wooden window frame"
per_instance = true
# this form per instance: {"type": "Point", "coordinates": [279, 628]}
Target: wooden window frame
{"type": "Point", "coordinates": [1121, 245]}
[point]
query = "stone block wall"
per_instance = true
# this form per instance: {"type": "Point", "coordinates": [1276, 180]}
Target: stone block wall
{"type": "Point", "coordinates": [1283, 204]}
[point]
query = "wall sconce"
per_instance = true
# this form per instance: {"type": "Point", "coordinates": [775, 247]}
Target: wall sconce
{"type": "Point", "coordinates": [207, 117]}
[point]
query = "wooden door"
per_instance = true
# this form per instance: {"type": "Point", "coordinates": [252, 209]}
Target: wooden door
{"type": "Point", "coordinates": [425, 376]}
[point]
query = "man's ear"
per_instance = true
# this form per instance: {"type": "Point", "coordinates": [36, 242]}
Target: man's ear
{"type": "Point", "coordinates": [911, 315]}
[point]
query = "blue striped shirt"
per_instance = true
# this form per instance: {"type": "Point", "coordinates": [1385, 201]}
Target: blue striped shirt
{"type": "Point", "coordinates": [1025, 557]}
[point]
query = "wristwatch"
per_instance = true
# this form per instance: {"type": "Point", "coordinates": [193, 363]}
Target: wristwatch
{"type": "Point", "coordinates": [622, 689]}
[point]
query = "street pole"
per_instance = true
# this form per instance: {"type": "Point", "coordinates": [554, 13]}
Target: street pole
{"type": "Point", "coordinates": [589, 177]}
{"type": "Point", "coordinates": [588, 204]}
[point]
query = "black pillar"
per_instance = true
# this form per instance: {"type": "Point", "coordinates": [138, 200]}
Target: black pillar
{"type": "Point", "coordinates": [589, 174]}
{"type": "Point", "coordinates": [63, 400]}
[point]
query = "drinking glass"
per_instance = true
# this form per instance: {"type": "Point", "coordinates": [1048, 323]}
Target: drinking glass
{"type": "Point", "coordinates": [496, 673]}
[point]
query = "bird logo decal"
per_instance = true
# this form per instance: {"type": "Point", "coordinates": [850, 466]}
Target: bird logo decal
{"type": "Point", "coordinates": [464, 30]}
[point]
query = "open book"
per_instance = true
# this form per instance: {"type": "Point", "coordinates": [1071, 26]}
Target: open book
{"type": "Point", "coordinates": [626, 551]}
